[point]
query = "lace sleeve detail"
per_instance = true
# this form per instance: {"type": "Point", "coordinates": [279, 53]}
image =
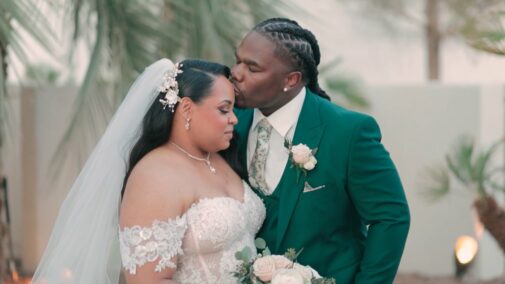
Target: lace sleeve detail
{"type": "Point", "coordinates": [162, 241]}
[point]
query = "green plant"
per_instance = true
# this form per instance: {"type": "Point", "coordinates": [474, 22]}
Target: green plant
{"type": "Point", "coordinates": [475, 171]}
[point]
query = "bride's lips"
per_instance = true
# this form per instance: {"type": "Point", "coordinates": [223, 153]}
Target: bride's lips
{"type": "Point", "coordinates": [229, 133]}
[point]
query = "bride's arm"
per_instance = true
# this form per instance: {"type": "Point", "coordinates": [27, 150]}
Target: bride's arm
{"type": "Point", "coordinates": [152, 224]}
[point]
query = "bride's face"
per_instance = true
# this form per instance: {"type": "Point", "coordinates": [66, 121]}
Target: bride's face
{"type": "Point", "coordinates": [212, 119]}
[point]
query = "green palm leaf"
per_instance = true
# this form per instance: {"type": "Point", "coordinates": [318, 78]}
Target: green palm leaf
{"type": "Point", "coordinates": [15, 16]}
{"type": "Point", "coordinates": [440, 183]}
{"type": "Point", "coordinates": [348, 91]}
{"type": "Point", "coordinates": [474, 170]}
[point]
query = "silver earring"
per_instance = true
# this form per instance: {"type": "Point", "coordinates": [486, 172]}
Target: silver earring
{"type": "Point", "coordinates": [285, 89]}
{"type": "Point", "coordinates": [186, 125]}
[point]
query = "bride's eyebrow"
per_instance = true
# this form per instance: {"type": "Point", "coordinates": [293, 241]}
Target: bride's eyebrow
{"type": "Point", "coordinates": [226, 101]}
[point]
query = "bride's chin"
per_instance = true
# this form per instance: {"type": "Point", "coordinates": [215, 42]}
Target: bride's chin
{"type": "Point", "coordinates": [225, 145]}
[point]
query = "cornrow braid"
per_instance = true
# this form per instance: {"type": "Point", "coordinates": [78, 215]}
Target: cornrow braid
{"type": "Point", "coordinates": [301, 46]}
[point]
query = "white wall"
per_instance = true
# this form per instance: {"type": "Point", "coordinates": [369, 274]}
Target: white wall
{"type": "Point", "coordinates": [38, 121]}
{"type": "Point", "coordinates": [420, 124]}
{"type": "Point", "coordinates": [11, 154]}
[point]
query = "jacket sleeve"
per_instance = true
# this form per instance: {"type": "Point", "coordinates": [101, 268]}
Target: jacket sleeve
{"type": "Point", "coordinates": [377, 193]}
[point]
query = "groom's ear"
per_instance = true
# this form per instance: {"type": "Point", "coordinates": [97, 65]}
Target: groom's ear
{"type": "Point", "coordinates": [292, 79]}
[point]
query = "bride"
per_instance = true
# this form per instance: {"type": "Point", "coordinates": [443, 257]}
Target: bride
{"type": "Point", "coordinates": [161, 191]}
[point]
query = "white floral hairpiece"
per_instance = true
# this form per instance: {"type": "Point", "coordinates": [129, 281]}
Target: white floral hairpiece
{"type": "Point", "coordinates": [170, 87]}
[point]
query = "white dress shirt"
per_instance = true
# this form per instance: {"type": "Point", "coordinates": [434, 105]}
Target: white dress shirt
{"type": "Point", "coordinates": [283, 121]}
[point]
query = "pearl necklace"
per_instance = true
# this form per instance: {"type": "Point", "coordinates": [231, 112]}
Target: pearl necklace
{"type": "Point", "coordinates": [206, 160]}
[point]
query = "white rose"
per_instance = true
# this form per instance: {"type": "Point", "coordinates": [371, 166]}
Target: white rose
{"type": "Point", "coordinates": [315, 274]}
{"type": "Point", "coordinates": [285, 276]}
{"type": "Point", "coordinates": [305, 272]}
{"type": "Point", "coordinates": [301, 153]}
{"type": "Point", "coordinates": [311, 164]}
{"type": "Point", "coordinates": [281, 261]}
{"type": "Point", "coordinates": [264, 268]}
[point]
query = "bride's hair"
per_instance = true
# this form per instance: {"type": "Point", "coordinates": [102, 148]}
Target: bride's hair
{"type": "Point", "coordinates": [194, 82]}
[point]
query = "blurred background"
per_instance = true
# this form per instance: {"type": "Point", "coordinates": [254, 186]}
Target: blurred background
{"type": "Point", "coordinates": [432, 72]}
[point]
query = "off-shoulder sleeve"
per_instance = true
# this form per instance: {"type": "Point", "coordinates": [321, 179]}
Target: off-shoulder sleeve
{"type": "Point", "coordinates": [160, 242]}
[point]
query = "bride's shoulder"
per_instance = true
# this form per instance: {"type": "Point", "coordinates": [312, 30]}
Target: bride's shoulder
{"type": "Point", "coordinates": [156, 189]}
{"type": "Point", "coordinates": [160, 165]}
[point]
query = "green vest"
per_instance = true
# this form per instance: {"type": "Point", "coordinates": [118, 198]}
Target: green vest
{"type": "Point", "coordinates": [268, 231]}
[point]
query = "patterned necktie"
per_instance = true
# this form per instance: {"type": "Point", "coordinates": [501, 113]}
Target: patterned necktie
{"type": "Point", "coordinates": [259, 159]}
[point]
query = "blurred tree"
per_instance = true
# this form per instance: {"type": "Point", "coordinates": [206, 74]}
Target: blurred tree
{"type": "Point", "coordinates": [486, 31]}
{"type": "Point", "coordinates": [41, 74]}
{"type": "Point", "coordinates": [17, 18]}
{"type": "Point", "coordinates": [124, 36]}
{"type": "Point", "coordinates": [476, 172]}
{"type": "Point", "coordinates": [439, 20]}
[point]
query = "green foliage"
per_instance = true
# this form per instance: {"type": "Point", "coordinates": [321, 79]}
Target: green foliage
{"type": "Point", "coordinates": [344, 90]}
{"type": "Point", "coordinates": [323, 281]}
{"type": "Point", "coordinates": [16, 17]}
{"type": "Point", "coordinates": [244, 255]}
{"type": "Point", "coordinates": [41, 74]}
{"type": "Point", "coordinates": [472, 169]}
{"type": "Point", "coordinates": [125, 36]}
{"type": "Point", "coordinates": [260, 243]}
{"type": "Point", "coordinates": [486, 31]}
{"type": "Point", "coordinates": [347, 92]}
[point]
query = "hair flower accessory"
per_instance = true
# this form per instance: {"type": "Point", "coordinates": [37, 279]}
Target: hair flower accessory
{"type": "Point", "coordinates": [170, 87]}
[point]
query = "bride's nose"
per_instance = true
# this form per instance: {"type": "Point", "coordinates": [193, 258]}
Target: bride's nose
{"type": "Point", "coordinates": [233, 119]}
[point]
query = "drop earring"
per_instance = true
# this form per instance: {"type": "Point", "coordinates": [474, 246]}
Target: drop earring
{"type": "Point", "coordinates": [186, 125]}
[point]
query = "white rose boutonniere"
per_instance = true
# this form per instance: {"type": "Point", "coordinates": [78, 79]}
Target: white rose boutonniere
{"type": "Point", "coordinates": [302, 156]}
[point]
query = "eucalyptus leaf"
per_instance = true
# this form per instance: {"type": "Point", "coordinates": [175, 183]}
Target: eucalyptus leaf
{"type": "Point", "coordinates": [260, 243]}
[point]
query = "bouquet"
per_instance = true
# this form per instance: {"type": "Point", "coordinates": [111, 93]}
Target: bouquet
{"type": "Point", "coordinates": [275, 269]}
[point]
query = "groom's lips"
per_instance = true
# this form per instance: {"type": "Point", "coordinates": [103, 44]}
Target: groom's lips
{"type": "Point", "coordinates": [237, 90]}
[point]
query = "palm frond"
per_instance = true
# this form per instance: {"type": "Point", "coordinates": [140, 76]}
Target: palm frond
{"type": "Point", "coordinates": [481, 173]}
{"type": "Point", "coordinates": [24, 14]}
{"type": "Point", "coordinates": [459, 161]}
{"type": "Point", "coordinates": [130, 34]}
{"type": "Point", "coordinates": [128, 38]}
{"type": "Point", "coordinates": [3, 103]}
{"type": "Point", "coordinates": [485, 30]}
{"type": "Point", "coordinates": [439, 183]}
{"type": "Point", "coordinates": [474, 173]}
{"type": "Point", "coordinates": [496, 186]}
{"type": "Point", "coordinates": [17, 15]}
{"type": "Point", "coordinates": [348, 92]}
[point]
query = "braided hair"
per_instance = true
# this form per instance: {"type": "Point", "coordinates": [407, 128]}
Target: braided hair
{"type": "Point", "coordinates": [301, 46]}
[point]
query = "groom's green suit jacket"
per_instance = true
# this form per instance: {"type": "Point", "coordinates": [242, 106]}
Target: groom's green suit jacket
{"type": "Point", "coordinates": [354, 227]}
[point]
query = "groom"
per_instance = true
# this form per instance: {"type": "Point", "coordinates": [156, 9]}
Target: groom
{"type": "Point", "coordinates": [346, 209]}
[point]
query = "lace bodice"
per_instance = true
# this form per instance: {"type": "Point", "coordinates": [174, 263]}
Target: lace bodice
{"type": "Point", "coordinates": [205, 239]}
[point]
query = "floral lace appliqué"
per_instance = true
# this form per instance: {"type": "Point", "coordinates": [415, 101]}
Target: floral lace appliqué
{"type": "Point", "coordinates": [163, 241]}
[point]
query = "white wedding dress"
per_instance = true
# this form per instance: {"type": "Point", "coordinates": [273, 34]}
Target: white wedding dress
{"type": "Point", "coordinates": [204, 239]}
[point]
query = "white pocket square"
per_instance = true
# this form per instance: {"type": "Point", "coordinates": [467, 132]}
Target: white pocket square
{"type": "Point", "coordinates": [308, 188]}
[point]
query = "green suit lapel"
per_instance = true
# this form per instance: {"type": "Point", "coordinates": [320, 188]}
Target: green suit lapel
{"type": "Point", "coordinates": [308, 131]}
{"type": "Point", "coordinates": [245, 118]}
